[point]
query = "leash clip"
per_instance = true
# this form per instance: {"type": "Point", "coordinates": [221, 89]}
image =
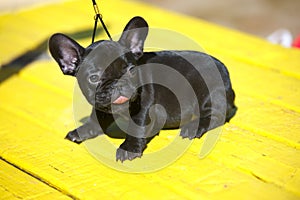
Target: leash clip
{"type": "Point", "coordinates": [98, 16]}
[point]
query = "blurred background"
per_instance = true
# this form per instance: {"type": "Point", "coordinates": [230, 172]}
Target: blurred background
{"type": "Point", "coordinates": [258, 17]}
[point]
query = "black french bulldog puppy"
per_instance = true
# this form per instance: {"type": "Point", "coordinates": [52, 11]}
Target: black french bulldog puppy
{"type": "Point", "coordinates": [121, 81]}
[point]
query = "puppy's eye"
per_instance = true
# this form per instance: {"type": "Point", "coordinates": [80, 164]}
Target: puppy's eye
{"type": "Point", "coordinates": [94, 78]}
{"type": "Point", "coordinates": [131, 71]}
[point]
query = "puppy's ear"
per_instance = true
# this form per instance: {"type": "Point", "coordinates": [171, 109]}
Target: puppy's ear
{"type": "Point", "coordinates": [134, 36]}
{"type": "Point", "coordinates": [67, 53]}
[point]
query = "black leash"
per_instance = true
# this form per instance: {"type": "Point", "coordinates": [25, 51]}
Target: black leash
{"type": "Point", "coordinates": [98, 16]}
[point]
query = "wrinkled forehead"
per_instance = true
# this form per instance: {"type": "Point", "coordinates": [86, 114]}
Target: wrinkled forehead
{"type": "Point", "coordinates": [105, 50]}
{"type": "Point", "coordinates": [101, 55]}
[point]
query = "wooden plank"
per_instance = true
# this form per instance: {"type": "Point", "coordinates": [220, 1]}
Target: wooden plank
{"type": "Point", "coordinates": [40, 23]}
{"type": "Point", "coordinates": [33, 103]}
{"type": "Point", "coordinates": [15, 184]}
{"type": "Point", "coordinates": [265, 84]}
{"type": "Point", "coordinates": [269, 120]}
{"type": "Point", "coordinates": [38, 107]}
{"type": "Point", "coordinates": [257, 155]}
{"type": "Point", "coordinates": [70, 168]}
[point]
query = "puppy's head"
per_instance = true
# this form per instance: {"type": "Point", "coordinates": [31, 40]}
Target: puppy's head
{"type": "Point", "coordinates": [105, 70]}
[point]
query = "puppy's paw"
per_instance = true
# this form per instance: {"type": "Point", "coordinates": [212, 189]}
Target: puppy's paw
{"type": "Point", "coordinates": [186, 133]}
{"type": "Point", "coordinates": [123, 155]}
{"type": "Point", "coordinates": [201, 132]}
{"type": "Point", "coordinates": [74, 137]}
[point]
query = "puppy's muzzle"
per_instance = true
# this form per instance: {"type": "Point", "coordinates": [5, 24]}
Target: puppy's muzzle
{"type": "Point", "coordinates": [125, 89]}
{"type": "Point", "coordinates": [117, 93]}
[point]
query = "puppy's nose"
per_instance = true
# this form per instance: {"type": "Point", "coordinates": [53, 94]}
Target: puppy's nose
{"type": "Point", "coordinates": [102, 98]}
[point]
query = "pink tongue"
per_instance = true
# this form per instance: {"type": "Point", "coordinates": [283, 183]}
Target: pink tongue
{"type": "Point", "coordinates": [120, 100]}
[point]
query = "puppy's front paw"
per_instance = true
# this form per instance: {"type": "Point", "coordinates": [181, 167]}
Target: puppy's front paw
{"type": "Point", "coordinates": [123, 155]}
{"type": "Point", "coordinates": [74, 137]}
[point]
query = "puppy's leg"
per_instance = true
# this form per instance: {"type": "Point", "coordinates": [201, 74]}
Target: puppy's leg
{"type": "Point", "coordinates": [88, 130]}
{"type": "Point", "coordinates": [134, 145]}
{"type": "Point", "coordinates": [212, 115]}
{"type": "Point", "coordinates": [212, 121]}
{"type": "Point", "coordinates": [138, 137]}
{"type": "Point", "coordinates": [131, 148]}
{"type": "Point", "coordinates": [195, 129]}
{"type": "Point", "coordinates": [189, 130]}
{"type": "Point", "coordinates": [209, 122]}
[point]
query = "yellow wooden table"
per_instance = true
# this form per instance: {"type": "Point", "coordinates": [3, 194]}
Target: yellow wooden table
{"type": "Point", "coordinates": [256, 157]}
